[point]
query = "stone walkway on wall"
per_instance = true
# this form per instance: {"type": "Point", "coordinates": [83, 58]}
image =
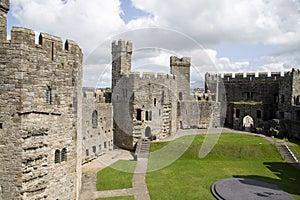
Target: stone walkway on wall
{"type": "Point", "coordinates": [140, 189]}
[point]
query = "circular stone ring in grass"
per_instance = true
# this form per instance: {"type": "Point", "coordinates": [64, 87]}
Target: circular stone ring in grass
{"type": "Point", "coordinates": [246, 189]}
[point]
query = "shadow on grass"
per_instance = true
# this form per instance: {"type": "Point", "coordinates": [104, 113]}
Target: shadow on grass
{"type": "Point", "coordinates": [288, 177]}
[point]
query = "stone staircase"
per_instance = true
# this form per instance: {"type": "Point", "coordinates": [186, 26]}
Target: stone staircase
{"type": "Point", "coordinates": [137, 132]}
{"type": "Point", "coordinates": [143, 148]}
{"type": "Point", "coordinates": [285, 153]}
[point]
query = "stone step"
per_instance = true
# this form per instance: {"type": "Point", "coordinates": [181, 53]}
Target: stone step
{"type": "Point", "coordinates": [285, 153]}
{"type": "Point", "coordinates": [143, 148]}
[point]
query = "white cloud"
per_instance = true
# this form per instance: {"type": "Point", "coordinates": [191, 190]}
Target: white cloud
{"type": "Point", "coordinates": [87, 22]}
{"type": "Point", "coordinates": [210, 23]}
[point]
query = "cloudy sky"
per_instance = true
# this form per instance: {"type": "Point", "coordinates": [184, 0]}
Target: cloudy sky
{"type": "Point", "coordinates": [220, 36]}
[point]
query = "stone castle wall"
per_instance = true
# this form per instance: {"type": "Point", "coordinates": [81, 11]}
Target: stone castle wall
{"type": "Point", "coordinates": [40, 117]}
{"type": "Point", "coordinates": [263, 96]}
{"type": "Point", "coordinates": [97, 132]}
{"type": "Point", "coordinates": [142, 106]}
{"type": "Point", "coordinates": [149, 104]}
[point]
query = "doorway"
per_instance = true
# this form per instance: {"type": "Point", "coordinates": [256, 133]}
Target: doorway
{"type": "Point", "coordinates": [248, 123]}
{"type": "Point", "coordinates": [148, 132]}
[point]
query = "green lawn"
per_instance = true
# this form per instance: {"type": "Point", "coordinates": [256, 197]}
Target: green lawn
{"type": "Point", "coordinates": [118, 198]}
{"type": "Point", "coordinates": [235, 155]}
{"type": "Point", "coordinates": [117, 176]}
{"type": "Point", "coordinates": [296, 145]}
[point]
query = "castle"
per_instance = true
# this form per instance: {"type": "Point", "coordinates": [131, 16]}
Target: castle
{"type": "Point", "coordinates": [157, 105]}
{"type": "Point", "coordinates": [50, 125]}
{"type": "Point", "coordinates": [154, 105]}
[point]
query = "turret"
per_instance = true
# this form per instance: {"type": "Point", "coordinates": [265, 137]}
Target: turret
{"type": "Point", "coordinates": [4, 7]}
{"type": "Point", "coordinates": [180, 67]}
{"type": "Point", "coordinates": [121, 60]}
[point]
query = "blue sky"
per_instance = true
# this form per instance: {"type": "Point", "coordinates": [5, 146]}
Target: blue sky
{"type": "Point", "coordinates": [130, 12]}
{"type": "Point", "coordinates": [236, 35]}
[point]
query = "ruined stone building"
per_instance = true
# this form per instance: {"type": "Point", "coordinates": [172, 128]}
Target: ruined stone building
{"type": "Point", "coordinates": [153, 105]}
{"type": "Point", "coordinates": [97, 123]}
{"type": "Point", "coordinates": [262, 102]}
{"type": "Point", "coordinates": [40, 115]}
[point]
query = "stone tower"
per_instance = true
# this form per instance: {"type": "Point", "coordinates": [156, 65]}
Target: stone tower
{"type": "Point", "coordinates": [121, 60]}
{"type": "Point", "coordinates": [180, 67]}
{"type": "Point", "coordinates": [40, 115]}
{"type": "Point", "coordinates": [4, 7]}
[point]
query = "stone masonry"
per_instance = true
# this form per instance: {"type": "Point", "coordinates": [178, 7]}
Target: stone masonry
{"type": "Point", "coordinates": [97, 128]}
{"type": "Point", "coordinates": [153, 105]}
{"type": "Point", "coordinates": [270, 102]}
{"type": "Point", "coordinates": [40, 115]}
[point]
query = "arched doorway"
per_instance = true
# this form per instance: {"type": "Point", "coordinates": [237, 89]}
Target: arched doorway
{"type": "Point", "coordinates": [148, 132]}
{"type": "Point", "coordinates": [248, 123]}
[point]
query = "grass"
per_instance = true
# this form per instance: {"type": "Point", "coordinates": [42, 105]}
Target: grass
{"type": "Point", "coordinates": [235, 155]}
{"type": "Point", "coordinates": [117, 176]}
{"type": "Point", "coordinates": [296, 145]}
{"type": "Point", "coordinates": [118, 198]}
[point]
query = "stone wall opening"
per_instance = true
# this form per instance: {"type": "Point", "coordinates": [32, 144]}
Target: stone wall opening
{"type": "Point", "coordinates": [148, 132]}
{"type": "Point", "coordinates": [258, 114]}
{"type": "Point", "coordinates": [95, 119]}
{"type": "Point", "coordinates": [180, 96]}
{"type": "Point", "coordinates": [248, 123]}
{"type": "Point", "coordinates": [57, 156]}
{"type": "Point", "coordinates": [63, 155]}
{"type": "Point", "coordinates": [139, 114]}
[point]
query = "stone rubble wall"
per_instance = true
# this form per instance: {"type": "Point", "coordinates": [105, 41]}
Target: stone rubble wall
{"type": "Point", "coordinates": [275, 95]}
{"type": "Point", "coordinates": [33, 129]}
{"type": "Point", "coordinates": [96, 140]}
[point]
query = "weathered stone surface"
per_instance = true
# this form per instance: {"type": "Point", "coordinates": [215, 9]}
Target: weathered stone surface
{"type": "Point", "coordinates": [40, 105]}
{"type": "Point", "coordinates": [154, 105]}
{"type": "Point", "coordinates": [263, 97]}
{"type": "Point", "coordinates": [96, 138]}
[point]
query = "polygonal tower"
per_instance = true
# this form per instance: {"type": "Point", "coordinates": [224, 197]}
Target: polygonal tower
{"type": "Point", "coordinates": [121, 60]}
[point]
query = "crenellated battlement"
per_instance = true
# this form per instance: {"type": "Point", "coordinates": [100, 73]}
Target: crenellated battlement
{"type": "Point", "coordinates": [249, 75]}
{"type": "Point", "coordinates": [263, 74]}
{"type": "Point", "coordinates": [159, 77]}
{"type": "Point", "coordinates": [184, 61]}
{"type": "Point", "coordinates": [51, 43]}
{"type": "Point", "coordinates": [121, 46]}
{"type": "Point", "coordinates": [21, 35]}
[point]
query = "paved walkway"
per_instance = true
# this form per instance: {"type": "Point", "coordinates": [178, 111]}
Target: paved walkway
{"type": "Point", "coordinates": [139, 180]}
